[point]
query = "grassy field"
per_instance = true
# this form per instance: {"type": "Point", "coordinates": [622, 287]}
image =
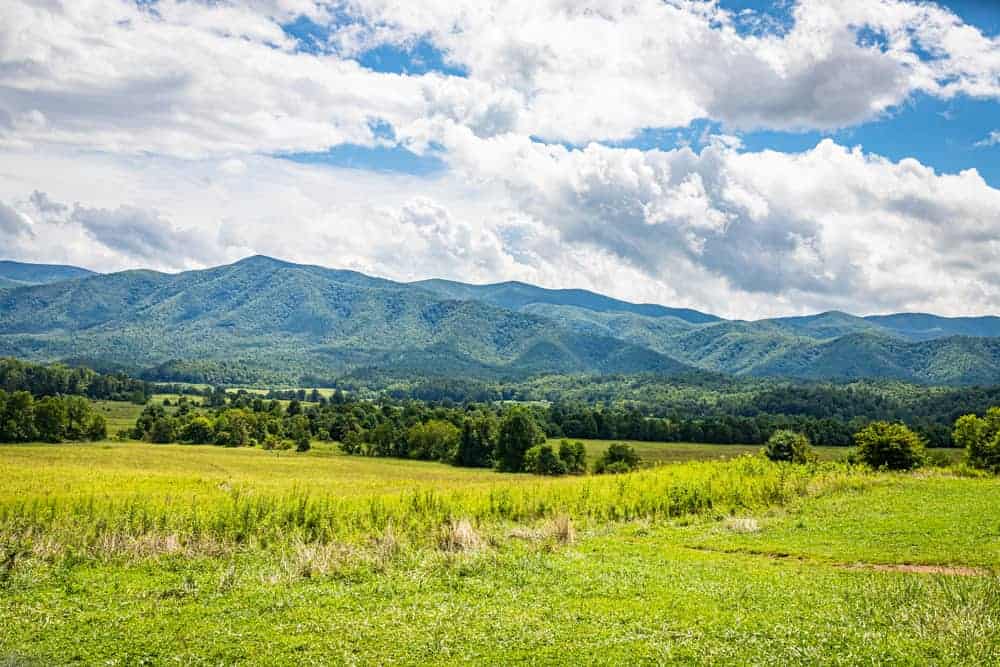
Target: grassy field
{"type": "Point", "coordinates": [156, 554]}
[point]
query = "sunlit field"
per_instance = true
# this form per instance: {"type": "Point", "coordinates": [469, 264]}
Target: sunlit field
{"type": "Point", "coordinates": [125, 553]}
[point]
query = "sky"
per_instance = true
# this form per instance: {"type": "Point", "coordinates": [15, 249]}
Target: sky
{"type": "Point", "coordinates": [745, 158]}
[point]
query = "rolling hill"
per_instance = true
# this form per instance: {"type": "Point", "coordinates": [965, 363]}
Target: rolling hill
{"type": "Point", "coordinates": [20, 274]}
{"type": "Point", "coordinates": [290, 320]}
{"type": "Point", "coordinates": [268, 320]}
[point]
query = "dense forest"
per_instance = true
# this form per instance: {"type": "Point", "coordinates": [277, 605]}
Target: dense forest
{"type": "Point", "coordinates": [261, 321]}
{"type": "Point", "coordinates": [49, 419]}
{"type": "Point", "coordinates": [57, 379]}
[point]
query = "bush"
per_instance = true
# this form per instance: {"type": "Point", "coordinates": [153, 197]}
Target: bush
{"type": "Point", "coordinates": [788, 446]}
{"type": "Point", "coordinates": [543, 460]}
{"type": "Point", "coordinates": [353, 442]}
{"type": "Point", "coordinates": [574, 456]}
{"type": "Point", "coordinates": [163, 431]}
{"type": "Point", "coordinates": [889, 446]}
{"type": "Point", "coordinates": [618, 458]}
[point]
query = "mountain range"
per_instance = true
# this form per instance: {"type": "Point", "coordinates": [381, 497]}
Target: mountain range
{"type": "Point", "coordinates": [261, 319]}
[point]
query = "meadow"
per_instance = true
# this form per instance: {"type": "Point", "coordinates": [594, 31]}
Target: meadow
{"type": "Point", "coordinates": [131, 553]}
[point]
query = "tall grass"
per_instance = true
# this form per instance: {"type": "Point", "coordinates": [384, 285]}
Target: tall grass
{"type": "Point", "coordinates": [243, 516]}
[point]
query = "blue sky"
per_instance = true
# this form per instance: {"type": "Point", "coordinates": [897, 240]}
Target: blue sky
{"type": "Point", "coordinates": [831, 145]}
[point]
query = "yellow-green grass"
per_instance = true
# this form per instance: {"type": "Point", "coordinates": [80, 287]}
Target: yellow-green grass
{"type": "Point", "coordinates": [85, 492]}
{"type": "Point", "coordinates": [636, 586]}
{"type": "Point", "coordinates": [118, 415]}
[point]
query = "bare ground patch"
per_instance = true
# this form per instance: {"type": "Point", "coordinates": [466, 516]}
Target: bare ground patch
{"type": "Point", "coordinates": [910, 568]}
{"type": "Point", "coordinates": [953, 570]}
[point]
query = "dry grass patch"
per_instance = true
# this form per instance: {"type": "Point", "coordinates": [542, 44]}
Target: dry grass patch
{"type": "Point", "coordinates": [459, 536]}
{"type": "Point", "coordinates": [742, 524]}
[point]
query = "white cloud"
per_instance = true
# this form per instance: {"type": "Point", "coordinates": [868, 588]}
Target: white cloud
{"type": "Point", "coordinates": [607, 68]}
{"type": "Point", "coordinates": [195, 79]}
{"type": "Point", "coordinates": [737, 233]}
{"type": "Point", "coordinates": [992, 140]}
{"type": "Point", "coordinates": [135, 136]}
{"type": "Point", "coordinates": [827, 228]}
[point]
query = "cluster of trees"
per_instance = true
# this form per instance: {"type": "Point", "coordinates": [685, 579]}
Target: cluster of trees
{"type": "Point", "coordinates": [59, 380]}
{"type": "Point", "coordinates": [630, 423]}
{"type": "Point", "coordinates": [472, 436]}
{"type": "Point", "coordinates": [894, 446]}
{"type": "Point", "coordinates": [717, 406]}
{"type": "Point", "coordinates": [881, 445]}
{"type": "Point", "coordinates": [270, 427]}
{"type": "Point", "coordinates": [23, 418]}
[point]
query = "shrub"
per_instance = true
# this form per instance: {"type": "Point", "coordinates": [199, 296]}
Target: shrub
{"type": "Point", "coordinates": [574, 456]}
{"type": "Point", "coordinates": [96, 428]}
{"type": "Point", "coordinates": [163, 431]}
{"type": "Point", "coordinates": [353, 442]}
{"type": "Point", "coordinates": [889, 446]}
{"type": "Point", "coordinates": [618, 458]}
{"type": "Point", "coordinates": [789, 446]}
{"type": "Point", "coordinates": [543, 460]}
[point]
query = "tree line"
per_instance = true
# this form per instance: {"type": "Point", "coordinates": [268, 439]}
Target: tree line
{"type": "Point", "coordinates": [60, 380]}
{"type": "Point", "coordinates": [510, 439]}
{"type": "Point", "coordinates": [50, 419]}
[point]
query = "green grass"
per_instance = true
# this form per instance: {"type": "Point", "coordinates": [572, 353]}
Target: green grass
{"type": "Point", "coordinates": [119, 415]}
{"type": "Point", "coordinates": [657, 572]}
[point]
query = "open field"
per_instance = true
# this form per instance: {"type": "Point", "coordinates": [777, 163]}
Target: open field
{"type": "Point", "coordinates": [135, 553]}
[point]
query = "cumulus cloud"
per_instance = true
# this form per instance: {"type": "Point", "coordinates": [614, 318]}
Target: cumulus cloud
{"type": "Point", "coordinates": [830, 227]}
{"type": "Point", "coordinates": [13, 224]}
{"type": "Point", "coordinates": [159, 121]}
{"type": "Point", "coordinates": [598, 70]}
{"type": "Point", "coordinates": [738, 233]}
{"type": "Point", "coordinates": [605, 69]}
{"type": "Point", "coordinates": [143, 235]}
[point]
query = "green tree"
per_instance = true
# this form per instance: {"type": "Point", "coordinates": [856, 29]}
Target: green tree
{"type": "Point", "coordinates": [785, 445]}
{"type": "Point", "coordinates": [478, 441]}
{"type": "Point", "coordinates": [96, 428]}
{"type": "Point", "coordinates": [980, 437]}
{"type": "Point", "coordinates": [435, 439]}
{"type": "Point", "coordinates": [199, 430]}
{"type": "Point", "coordinates": [50, 419]}
{"type": "Point", "coordinates": [298, 431]}
{"type": "Point", "coordinates": [617, 458]}
{"type": "Point", "coordinates": [518, 434]}
{"type": "Point", "coordinates": [889, 445]}
{"type": "Point", "coordinates": [573, 455]}
{"type": "Point", "coordinates": [543, 460]}
{"type": "Point", "coordinates": [352, 442]}
{"type": "Point", "coordinates": [17, 421]}
{"type": "Point", "coordinates": [164, 430]}
{"type": "Point", "coordinates": [78, 414]}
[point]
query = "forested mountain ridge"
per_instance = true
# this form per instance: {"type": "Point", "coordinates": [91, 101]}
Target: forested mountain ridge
{"type": "Point", "coordinates": [517, 295]}
{"type": "Point", "coordinates": [290, 319]}
{"type": "Point", "coordinates": [21, 274]}
{"type": "Point", "coordinates": [262, 318]}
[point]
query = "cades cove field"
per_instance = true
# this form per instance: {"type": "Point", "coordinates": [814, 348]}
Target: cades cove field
{"type": "Point", "coordinates": [169, 514]}
{"type": "Point", "coordinates": [499, 332]}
